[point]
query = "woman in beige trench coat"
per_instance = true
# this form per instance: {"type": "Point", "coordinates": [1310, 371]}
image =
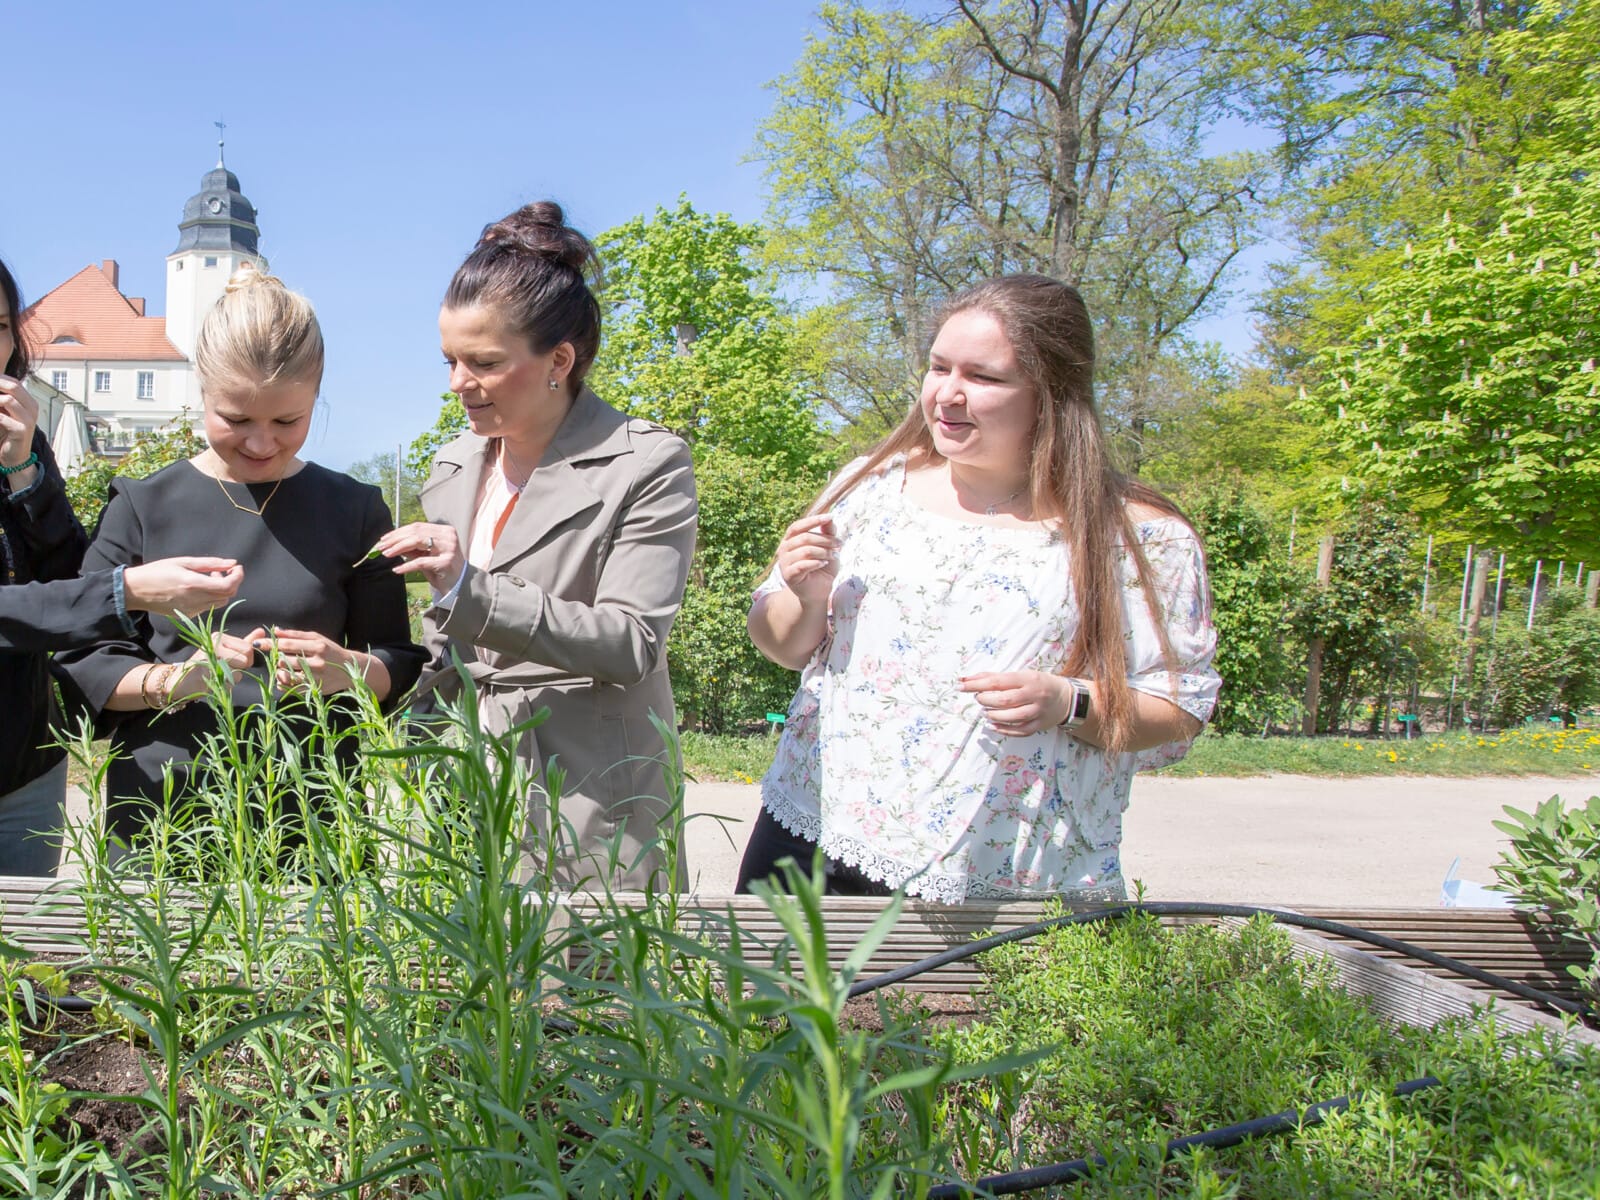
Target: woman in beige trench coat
{"type": "Point", "coordinates": [557, 543]}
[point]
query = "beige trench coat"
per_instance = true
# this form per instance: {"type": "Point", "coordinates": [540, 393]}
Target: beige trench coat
{"type": "Point", "coordinates": [573, 614]}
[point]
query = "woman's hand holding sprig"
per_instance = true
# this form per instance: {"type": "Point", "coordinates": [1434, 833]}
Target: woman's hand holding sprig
{"type": "Point", "coordinates": [808, 559]}
{"type": "Point", "coordinates": [189, 680]}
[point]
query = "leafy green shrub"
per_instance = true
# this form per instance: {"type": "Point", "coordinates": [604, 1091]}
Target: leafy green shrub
{"type": "Point", "coordinates": [1552, 669]}
{"type": "Point", "coordinates": [722, 683]}
{"type": "Point", "coordinates": [1158, 1033]}
{"type": "Point", "coordinates": [1553, 864]}
{"type": "Point", "coordinates": [87, 489]}
{"type": "Point", "coordinates": [1363, 612]}
{"type": "Point", "coordinates": [1251, 587]}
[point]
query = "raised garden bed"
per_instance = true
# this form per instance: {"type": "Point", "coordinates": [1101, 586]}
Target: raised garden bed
{"type": "Point", "coordinates": [388, 1009]}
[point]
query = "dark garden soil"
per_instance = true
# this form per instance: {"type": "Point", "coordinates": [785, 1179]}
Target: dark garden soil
{"type": "Point", "coordinates": [106, 1064]}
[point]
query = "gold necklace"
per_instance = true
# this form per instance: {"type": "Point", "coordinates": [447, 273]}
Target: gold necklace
{"type": "Point", "coordinates": [254, 512]}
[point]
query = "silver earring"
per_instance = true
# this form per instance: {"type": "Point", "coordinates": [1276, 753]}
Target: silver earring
{"type": "Point", "coordinates": [554, 385]}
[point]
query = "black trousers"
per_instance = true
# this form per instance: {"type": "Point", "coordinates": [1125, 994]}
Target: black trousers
{"type": "Point", "coordinates": [770, 843]}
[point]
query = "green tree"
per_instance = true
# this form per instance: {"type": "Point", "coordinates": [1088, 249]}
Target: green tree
{"type": "Point", "coordinates": [1247, 424]}
{"type": "Point", "coordinates": [450, 422]}
{"type": "Point", "coordinates": [721, 681]}
{"type": "Point", "coordinates": [910, 157]}
{"type": "Point", "coordinates": [1365, 613]}
{"type": "Point", "coordinates": [1394, 115]}
{"type": "Point", "coordinates": [1471, 387]}
{"type": "Point", "coordinates": [379, 470]}
{"type": "Point", "coordinates": [89, 488]}
{"type": "Point", "coordinates": [1252, 587]}
{"type": "Point", "coordinates": [695, 339]}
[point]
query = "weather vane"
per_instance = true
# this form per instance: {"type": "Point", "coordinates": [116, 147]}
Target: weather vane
{"type": "Point", "coordinates": [220, 127]}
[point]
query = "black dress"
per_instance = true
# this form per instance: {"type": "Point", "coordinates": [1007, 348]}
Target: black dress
{"type": "Point", "coordinates": [298, 574]}
{"type": "Point", "coordinates": [40, 539]}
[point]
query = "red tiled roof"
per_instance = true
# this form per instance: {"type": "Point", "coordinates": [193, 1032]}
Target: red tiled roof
{"type": "Point", "coordinates": [101, 322]}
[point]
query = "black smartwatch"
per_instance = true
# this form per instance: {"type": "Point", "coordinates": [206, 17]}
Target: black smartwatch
{"type": "Point", "coordinates": [1078, 708]}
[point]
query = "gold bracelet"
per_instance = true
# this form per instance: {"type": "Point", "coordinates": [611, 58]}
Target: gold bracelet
{"type": "Point", "coordinates": [144, 685]}
{"type": "Point", "coordinates": [175, 674]}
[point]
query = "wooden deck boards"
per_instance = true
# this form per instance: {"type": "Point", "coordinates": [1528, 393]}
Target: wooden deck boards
{"type": "Point", "coordinates": [1501, 941]}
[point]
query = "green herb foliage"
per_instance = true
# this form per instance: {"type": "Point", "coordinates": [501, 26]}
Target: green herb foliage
{"type": "Point", "coordinates": [354, 980]}
{"type": "Point", "coordinates": [1553, 864]}
{"type": "Point", "coordinates": [1160, 1033]}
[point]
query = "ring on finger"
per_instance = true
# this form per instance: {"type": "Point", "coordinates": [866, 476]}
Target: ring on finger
{"type": "Point", "coordinates": [430, 543]}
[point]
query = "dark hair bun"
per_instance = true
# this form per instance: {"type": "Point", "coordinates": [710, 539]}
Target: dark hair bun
{"type": "Point", "coordinates": [542, 229]}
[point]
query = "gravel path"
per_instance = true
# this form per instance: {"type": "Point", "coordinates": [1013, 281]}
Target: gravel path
{"type": "Point", "coordinates": [1276, 839]}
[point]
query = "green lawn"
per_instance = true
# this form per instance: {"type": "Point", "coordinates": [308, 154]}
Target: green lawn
{"type": "Point", "coordinates": [1570, 752]}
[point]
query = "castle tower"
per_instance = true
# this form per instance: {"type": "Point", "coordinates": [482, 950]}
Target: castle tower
{"type": "Point", "coordinates": [218, 233]}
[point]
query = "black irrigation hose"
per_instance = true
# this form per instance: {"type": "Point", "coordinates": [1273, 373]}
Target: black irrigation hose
{"type": "Point", "coordinates": [1215, 1139]}
{"type": "Point", "coordinates": [1184, 909]}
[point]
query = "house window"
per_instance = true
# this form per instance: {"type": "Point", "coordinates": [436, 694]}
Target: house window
{"type": "Point", "coordinates": [147, 385]}
{"type": "Point", "coordinates": [102, 381]}
{"type": "Point", "coordinates": [178, 265]}
{"type": "Point", "coordinates": [58, 380]}
{"type": "Point", "coordinates": [211, 260]}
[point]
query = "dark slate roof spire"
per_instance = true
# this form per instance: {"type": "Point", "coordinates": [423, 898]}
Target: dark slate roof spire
{"type": "Point", "coordinates": [218, 217]}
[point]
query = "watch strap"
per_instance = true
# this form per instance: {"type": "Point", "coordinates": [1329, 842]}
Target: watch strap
{"type": "Point", "coordinates": [1078, 706]}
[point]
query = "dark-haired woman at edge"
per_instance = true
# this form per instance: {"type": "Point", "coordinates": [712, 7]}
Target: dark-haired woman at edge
{"type": "Point", "coordinates": [558, 542]}
{"type": "Point", "coordinates": [43, 607]}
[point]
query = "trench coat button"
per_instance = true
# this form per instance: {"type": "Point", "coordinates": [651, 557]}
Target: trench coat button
{"type": "Point", "coordinates": [517, 581]}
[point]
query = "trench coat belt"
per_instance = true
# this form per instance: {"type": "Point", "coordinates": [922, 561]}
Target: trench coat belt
{"type": "Point", "coordinates": [445, 679]}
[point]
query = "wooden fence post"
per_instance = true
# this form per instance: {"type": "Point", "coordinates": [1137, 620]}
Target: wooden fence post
{"type": "Point", "coordinates": [1308, 724]}
{"type": "Point", "coordinates": [1591, 595]}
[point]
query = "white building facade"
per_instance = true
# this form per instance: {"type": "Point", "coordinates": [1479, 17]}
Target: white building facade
{"type": "Point", "coordinates": [124, 373]}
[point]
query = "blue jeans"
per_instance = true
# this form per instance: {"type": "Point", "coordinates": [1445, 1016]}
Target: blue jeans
{"type": "Point", "coordinates": [31, 821]}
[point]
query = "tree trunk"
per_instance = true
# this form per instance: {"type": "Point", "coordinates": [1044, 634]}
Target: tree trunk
{"type": "Point", "coordinates": [1480, 586]}
{"type": "Point", "coordinates": [1314, 664]}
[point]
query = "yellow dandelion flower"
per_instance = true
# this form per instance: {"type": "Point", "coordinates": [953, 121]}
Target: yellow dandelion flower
{"type": "Point", "coordinates": [1393, 757]}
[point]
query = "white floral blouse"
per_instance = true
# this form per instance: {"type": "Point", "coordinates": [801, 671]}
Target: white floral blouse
{"type": "Point", "coordinates": [890, 768]}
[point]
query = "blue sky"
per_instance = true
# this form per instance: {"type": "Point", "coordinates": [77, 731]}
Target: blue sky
{"type": "Point", "coordinates": [376, 140]}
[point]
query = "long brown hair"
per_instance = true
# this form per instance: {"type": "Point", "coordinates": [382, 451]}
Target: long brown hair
{"type": "Point", "coordinates": [1072, 481]}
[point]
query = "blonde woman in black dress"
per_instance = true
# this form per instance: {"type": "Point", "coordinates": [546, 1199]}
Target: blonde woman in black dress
{"type": "Point", "coordinates": [295, 527]}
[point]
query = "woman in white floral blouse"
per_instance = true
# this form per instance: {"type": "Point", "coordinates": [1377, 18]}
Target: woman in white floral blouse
{"type": "Point", "coordinates": [996, 629]}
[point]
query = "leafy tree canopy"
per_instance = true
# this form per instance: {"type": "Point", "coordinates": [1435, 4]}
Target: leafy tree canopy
{"type": "Point", "coordinates": [695, 339]}
{"type": "Point", "coordinates": [909, 158]}
{"type": "Point", "coordinates": [379, 470]}
{"type": "Point", "coordinates": [1471, 386]}
{"type": "Point", "coordinates": [89, 487]}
